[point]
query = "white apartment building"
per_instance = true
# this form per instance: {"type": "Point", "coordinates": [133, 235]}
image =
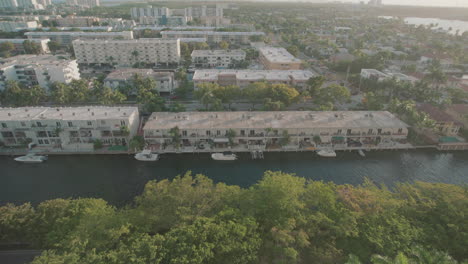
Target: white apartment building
{"type": "Point", "coordinates": [274, 58]}
{"type": "Point", "coordinates": [243, 78]}
{"type": "Point", "coordinates": [211, 16]}
{"type": "Point", "coordinates": [165, 81]}
{"type": "Point", "coordinates": [76, 21]}
{"type": "Point", "coordinates": [25, 4]}
{"type": "Point", "coordinates": [13, 26]}
{"type": "Point", "coordinates": [83, 3]}
{"type": "Point", "coordinates": [213, 36]}
{"type": "Point", "coordinates": [68, 128]}
{"type": "Point", "coordinates": [306, 129]}
{"type": "Point", "coordinates": [127, 52]}
{"type": "Point", "coordinates": [217, 58]}
{"type": "Point", "coordinates": [65, 38]}
{"type": "Point", "coordinates": [19, 47]}
{"type": "Point", "coordinates": [41, 70]}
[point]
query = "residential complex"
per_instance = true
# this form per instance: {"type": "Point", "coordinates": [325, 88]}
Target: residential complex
{"type": "Point", "coordinates": [274, 58]}
{"type": "Point", "coordinates": [24, 4]}
{"type": "Point", "coordinates": [76, 21]}
{"type": "Point", "coordinates": [217, 58]}
{"type": "Point", "coordinates": [83, 3]}
{"type": "Point", "coordinates": [213, 36]}
{"type": "Point", "coordinates": [68, 128]}
{"type": "Point", "coordinates": [445, 123]}
{"type": "Point", "coordinates": [41, 70]}
{"type": "Point", "coordinates": [65, 38]}
{"type": "Point", "coordinates": [165, 82]}
{"type": "Point", "coordinates": [19, 44]}
{"type": "Point", "coordinates": [265, 130]}
{"type": "Point", "coordinates": [242, 78]}
{"type": "Point", "coordinates": [211, 16]}
{"type": "Point", "coordinates": [13, 26]}
{"type": "Point", "coordinates": [127, 52]}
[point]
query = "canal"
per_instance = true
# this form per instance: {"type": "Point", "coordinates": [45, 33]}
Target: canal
{"type": "Point", "coordinates": [119, 178]}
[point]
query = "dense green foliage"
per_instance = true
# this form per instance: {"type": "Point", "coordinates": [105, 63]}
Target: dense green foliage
{"type": "Point", "coordinates": [281, 219]}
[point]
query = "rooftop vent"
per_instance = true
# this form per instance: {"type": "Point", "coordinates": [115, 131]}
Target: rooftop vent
{"type": "Point", "coordinates": [73, 113]}
{"type": "Point", "coordinates": [58, 109]}
{"type": "Point", "coordinates": [124, 114]}
{"type": "Point", "coordinates": [9, 114]}
{"type": "Point", "coordinates": [92, 113]}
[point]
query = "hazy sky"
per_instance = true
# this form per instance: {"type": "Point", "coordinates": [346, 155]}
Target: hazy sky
{"type": "Point", "coordinates": [459, 3]}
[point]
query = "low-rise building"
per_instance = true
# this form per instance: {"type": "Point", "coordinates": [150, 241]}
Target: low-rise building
{"type": "Point", "coordinates": [84, 3]}
{"type": "Point", "coordinates": [460, 113]}
{"type": "Point", "coordinates": [374, 74]}
{"type": "Point", "coordinates": [242, 78]}
{"type": "Point", "coordinates": [76, 21]}
{"type": "Point", "coordinates": [65, 38]}
{"type": "Point", "coordinates": [165, 82]}
{"type": "Point", "coordinates": [217, 58]}
{"type": "Point", "coordinates": [274, 58]}
{"type": "Point", "coordinates": [68, 128]}
{"type": "Point", "coordinates": [213, 36]}
{"type": "Point", "coordinates": [41, 70]}
{"type": "Point", "coordinates": [19, 44]}
{"type": "Point", "coordinates": [13, 26]}
{"type": "Point", "coordinates": [249, 130]}
{"type": "Point", "coordinates": [445, 124]}
{"type": "Point", "coordinates": [151, 52]}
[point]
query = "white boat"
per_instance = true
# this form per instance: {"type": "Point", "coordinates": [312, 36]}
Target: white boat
{"type": "Point", "coordinates": [224, 156]}
{"type": "Point", "coordinates": [146, 155]}
{"type": "Point", "coordinates": [31, 158]}
{"type": "Point", "coordinates": [328, 153]}
{"type": "Point", "coordinates": [361, 153]}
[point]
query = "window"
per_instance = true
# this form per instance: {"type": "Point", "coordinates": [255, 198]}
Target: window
{"type": "Point", "coordinates": [23, 124]}
{"type": "Point", "coordinates": [46, 141]}
{"type": "Point", "coordinates": [379, 131]}
{"type": "Point", "coordinates": [90, 123]}
{"type": "Point", "coordinates": [349, 132]}
{"type": "Point", "coordinates": [70, 124]}
{"type": "Point", "coordinates": [184, 133]}
{"type": "Point", "coordinates": [122, 122]}
{"type": "Point", "coordinates": [40, 141]}
{"type": "Point", "coordinates": [370, 131]}
{"type": "Point", "coordinates": [4, 125]}
{"type": "Point", "coordinates": [39, 124]}
{"type": "Point", "coordinates": [339, 132]}
{"type": "Point", "coordinates": [103, 122]}
{"type": "Point", "coordinates": [400, 130]}
{"type": "Point", "coordinates": [58, 124]}
{"type": "Point", "coordinates": [218, 132]}
{"type": "Point", "coordinates": [242, 132]}
{"type": "Point", "coordinates": [208, 133]}
{"type": "Point", "coordinates": [252, 132]}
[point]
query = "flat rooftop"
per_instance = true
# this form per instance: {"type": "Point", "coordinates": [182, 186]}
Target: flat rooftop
{"type": "Point", "coordinates": [78, 33]}
{"type": "Point", "coordinates": [189, 33]}
{"type": "Point", "coordinates": [65, 113]}
{"type": "Point", "coordinates": [129, 41]}
{"type": "Point", "coordinates": [202, 53]}
{"type": "Point", "coordinates": [213, 75]}
{"type": "Point", "coordinates": [126, 74]}
{"type": "Point", "coordinates": [41, 60]}
{"type": "Point", "coordinates": [278, 55]}
{"type": "Point", "coordinates": [276, 120]}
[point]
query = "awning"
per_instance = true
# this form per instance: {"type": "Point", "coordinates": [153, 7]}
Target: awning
{"type": "Point", "coordinates": [221, 140]}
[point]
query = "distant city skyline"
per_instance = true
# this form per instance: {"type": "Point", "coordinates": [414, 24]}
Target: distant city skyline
{"type": "Point", "coordinates": [453, 3]}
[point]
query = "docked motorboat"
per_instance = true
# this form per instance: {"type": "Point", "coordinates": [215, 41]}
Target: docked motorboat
{"type": "Point", "coordinates": [146, 155]}
{"type": "Point", "coordinates": [327, 153]}
{"type": "Point", "coordinates": [31, 158]}
{"type": "Point", "coordinates": [361, 153]}
{"type": "Point", "coordinates": [224, 156]}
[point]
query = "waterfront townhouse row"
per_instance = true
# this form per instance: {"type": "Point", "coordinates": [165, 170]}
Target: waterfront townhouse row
{"type": "Point", "coordinates": [213, 36]}
{"type": "Point", "coordinates": [274, 58]}
{"type": "Point", "coordinates": [151, 51]}
{"type": "Point", "coordinates": [268, 130]}
{"type": "Point", "coordinates": [42, 70]}
{"type": "Point", "coordinates": [65, 38]}
{"type": "Point", "coordinates": [68, 128]}
{"type": "Point", "coordinates": [217, 58]}
{"type": "Point", "coordinates": [20, 47]}
{"type": "Point", "coordinates": [242, 78]}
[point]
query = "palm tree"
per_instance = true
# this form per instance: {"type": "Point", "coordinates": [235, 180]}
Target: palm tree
{"type": "Point", "coordinates": [422, 255]}
{"type": "Point", "coordinates": [352, 259]}
{"type": "Point", "coordinates": [135, 55]}
{"type": "Point", "coordinates": [175, 136]}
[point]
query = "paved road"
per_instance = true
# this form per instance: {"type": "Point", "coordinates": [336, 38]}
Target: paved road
{"type": "Point", "coordinates": [18, 256]}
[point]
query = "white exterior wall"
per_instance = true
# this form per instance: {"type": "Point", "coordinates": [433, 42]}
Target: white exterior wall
{"type": "Point", "coordinates": [76, 132]}
{"type": "Point", "coordinates": [11, 26]}
{"type": "Point", "coordinates": [216, 58]}
{"type": "Point", "coordinates": [151, 51]}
